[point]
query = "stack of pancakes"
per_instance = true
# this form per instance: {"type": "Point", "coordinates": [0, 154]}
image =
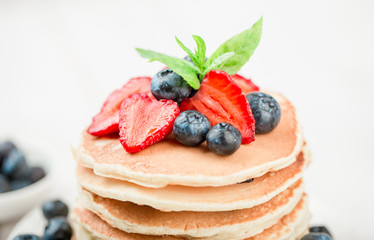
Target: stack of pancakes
{"type": "Point", "coordinates": [170, 191]}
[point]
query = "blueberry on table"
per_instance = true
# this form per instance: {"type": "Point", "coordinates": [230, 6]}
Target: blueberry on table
{"type": "Point", "coordinates": [266, 111]}
{"type": "Point", "coordinates": [36, 173]}
{"type": "Point", "coordinates": [5, 148]}
{"type": "Point", "coordinates": [223, 139]}
{"type": "Point", "coordinates": [19, 183]}
{"type": "Point", "coordinates": [320, 229]}
{"type": "Point", "coordinates": [191, 127]}
{"type": "Point", "coordinates": [27, 237]}
{"type": "Point", "coordinates": [166, 84]}
{"type": "Point", "coordinates": [4, 184]}
{"type": "Point", "coordinates": [58, 228]}
{"type": "Point", "coordinates": [55, 208]}
{"type": "Point", "coordinates": [14, 165]}
{"type": "Point", "coordinates": [316, 236]}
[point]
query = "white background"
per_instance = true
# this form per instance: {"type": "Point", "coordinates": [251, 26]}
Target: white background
{"type": "Point", "coordinates": [60, 59]}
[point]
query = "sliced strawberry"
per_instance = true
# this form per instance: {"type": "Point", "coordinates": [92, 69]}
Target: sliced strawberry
{"type": "Point", "coordinates": [245, 84]}
{"type": "Point", "coordinates": [222, 100]}
{"type": "Point", "coordinates": [143, 121]}
{"type": "Point", "coordinates": [106, 122]}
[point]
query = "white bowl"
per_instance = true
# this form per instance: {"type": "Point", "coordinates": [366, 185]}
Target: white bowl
{"type": "Point", "coordinates": [16, 203]}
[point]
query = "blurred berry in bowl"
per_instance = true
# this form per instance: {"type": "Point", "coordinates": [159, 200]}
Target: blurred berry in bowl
{"type": "Point", "coordinates": [15, 171]}
{"type": "Point", "coordinates": [24, 178]}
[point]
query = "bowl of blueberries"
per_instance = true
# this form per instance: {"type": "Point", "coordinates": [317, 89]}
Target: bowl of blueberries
{"type": "Point", "coordinates": [25, 177]}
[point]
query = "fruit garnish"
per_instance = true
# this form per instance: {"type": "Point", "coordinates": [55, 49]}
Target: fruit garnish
{"type": "Point", "coordinates": [229, 57]}
{"type": "Point", "coordinates": [55, 208]}
{"type": "Point", "coordinates": [190, 128]}
{"type": "Point", "coordinates": [106, 122]}
{"type": "Point", "coordinates": [58, 228]}
{"type": "Point", "coordinates": [143, 121]}
{"type": "Point", "coordinates": [245, 84]}
{"type": "Point", "coordinates": [15, 166]}
{"type": "Point", "coordinates": [27, 237]}
{"type": "Point", "coordinates": [223, 139]}
{"type": "Point", "coordinates": [222, 100]}
{"type": "Point", "coordinates": [166, 84]}
{"type": "Point", "coordinates": [266, 111]}
{"type": "Point", "coordinates": [320, 229]}
{"type": "Point", "coordinates": [4, 184]}
{"type": "Point", "coordinates": [316, 236]}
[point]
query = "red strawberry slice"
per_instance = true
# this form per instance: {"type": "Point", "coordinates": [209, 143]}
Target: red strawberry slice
{"type": "Point", "coordinates": [143, 121]}
{"type": "Point", "coordinates": [222, 100]}
{"type": "Point", "coordinates": [245, 84]}
{"type": "Point", "coordinates": [106, 122]}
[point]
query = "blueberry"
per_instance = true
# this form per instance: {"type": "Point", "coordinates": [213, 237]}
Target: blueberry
{"type": "Point", "coordinates": [4, 184]}
{"type": "Point", "coordinates": [36, 173]}
{"type": "Point", "coordinates": [27, 237]}
{"type": "Point", "coordinates": [55, 208]}
{"type": "Point", "coordinates": [190, 60]}
{"type": "Point", "coordinates": [19, 183]}
{"type": "Point", "coordinates": [316, 236]}
{"type": "Point", "coordinates": [320, 229]}
{"type": "Point", "coordinates": [58, 228]}
{"type": "Point", "coordinates": [223, 139]}
{"type": "Point", "coordinates": [193, 93]}
{"type": "Point", "coordinates": [190, 128]}
{"type": "Point", "coordinates": [266, 111]}
{"type": "Point", "coordinates": [166, 84]}
{"type": "Point", "coordinates": [14, 165]}
{"type": "Point", "coordinates": [5, 148]}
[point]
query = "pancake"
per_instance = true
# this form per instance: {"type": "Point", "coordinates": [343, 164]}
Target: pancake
{"type": "Point", "coordinates": [88, 225]}
{"type": "Point", "coordinates": [171, 163]}
{"type": "Point", "coordinates": [243, 223]}
{"type": "Point", "coordinates": [182, 198]}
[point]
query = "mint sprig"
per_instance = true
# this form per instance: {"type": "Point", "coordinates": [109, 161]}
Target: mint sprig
{"type": "Point", "coordinates": [229, 57]}
{"type": "Point", "coordinates": [243, 45]}
{"type": "Point", "coordinates": [182, 67]}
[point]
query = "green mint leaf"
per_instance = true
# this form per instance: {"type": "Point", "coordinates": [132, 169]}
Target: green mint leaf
{"type": "Point", "coordinates": [201, 51]}
{"type": "Point", "coordinates": [219, 62]}
{"type": "Point", "coordinates": [242, 44]}
{"type": "Point", "coordinates": [182, 67]}
{"type": "Point", "coordinates": [187, 50]}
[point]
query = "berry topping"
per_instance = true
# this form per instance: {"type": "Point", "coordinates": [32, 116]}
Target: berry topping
{"type": "Point", "coordinates": [27, 237]}
{"type": "Point", "coordinates": [54, 209]}
{"type": "Point", "coordinates": [106, 122]}
{"type": "Point", "coordinates": [245, 84]}
{"type": "Point", "coordinates": [316, 236]}
{"type": "Point", "coordinates": [36, 173]}
{"type": "Point", "coordinates": [166, 84]}
{"type": "Point", "coordinates": [266, 111]}
{"type": "Point", "coordinates": [14, 165]}
{"type": "Point", "coordinates": [5, 148]}
{"type": "Point", "coordinates": [221, 100]}
{"type": "Point", "coordinates": [58, 228]}
{"type": "Point", "coordinates": [320, 229]}
{"type": "Point", "coordinates": [143, 121]}
{"type": "Point", "coordinates": [190, 128]}
{"type": "Point", "coordinates": [19, 183]}
{"type": "Point", "coordinates": [223, 139]}
{"type": "Point", "coordinates": [4, 184]}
